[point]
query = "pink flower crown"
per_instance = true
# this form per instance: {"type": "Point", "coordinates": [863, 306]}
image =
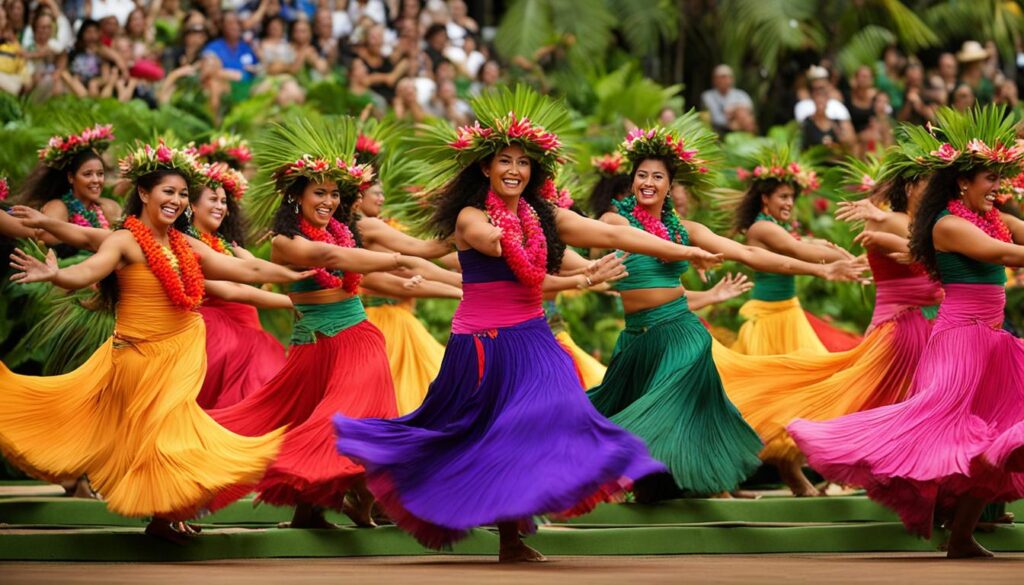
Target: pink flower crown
{"type": "Point", "coordinates": [220, 175]}
{"type": "Point", "coordinates": [559, 197]}
{"type": "Point", "coordinates": [145, 159]}
{"type": "Point", "coordinates": [350, 177]}
{"type": "Point", "coordinates": [793, 172]}
{"type": "Point", "coordinates": [659, 142]}
{"type": "Point", "coordinates": [480, 141]}
{"type": "Point", "coordinates": [231, 149]}
{"type": "Point", "coordinates": [61, 149]}
{"type": "Point", "coordinates": [610, 164]}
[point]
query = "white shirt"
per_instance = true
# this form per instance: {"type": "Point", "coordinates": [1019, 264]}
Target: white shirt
{"type": "Point", "coordinates": [119, 9]}
{"type": "Point", "coordinates": [373, 9]}
{"type": "Point", "coordinates": [834, 110]}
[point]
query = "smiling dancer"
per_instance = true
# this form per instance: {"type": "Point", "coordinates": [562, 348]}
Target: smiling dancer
{"type": "Point", "coordinates": [128, 416]}
{"type": "Point", "coordinates": [505, 434]}
{"type": "Point", "coordinates": [955, 444]}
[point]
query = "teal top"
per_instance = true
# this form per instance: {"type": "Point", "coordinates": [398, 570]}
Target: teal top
{"type": "Point", "coordinates": [304, 285]}
{"type": "Point", "coordinates": [649, 272]}
{"type": "Point", "coordinates": [955, 268]}
{"type": "Point", "coordinates": [328, 319]}
{"type": "Point", "coordinates": [769, 286]}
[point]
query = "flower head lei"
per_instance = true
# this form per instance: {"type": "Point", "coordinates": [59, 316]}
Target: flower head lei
{"type": "Point", "coordinates": [610, 164]}
{"type": "Point", "coordinates": [228, 148]}
{"type": "Point", "coordinates": [687, 144]}
{"type": "Point", "coordinates": [61, 149]}
{"type": "Point", "coordinates": [775, 164]}
{"type": "Point", "coordinates": [1009, 188]}
{"type": "Point", "coordinates": [367, 149]}
{"type": "Point", "coordinates": [350, 176]}
{"type": "Point", "coordinates": [222, 176]}
{"type": "Point", "coordinates": [982, 137]}
{"type": "Point", "coordinates": [145, 159]}
{"type": "Point", "coordinates": [862, 175]}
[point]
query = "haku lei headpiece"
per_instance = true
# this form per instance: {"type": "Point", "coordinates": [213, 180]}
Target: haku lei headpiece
{"type": "Point", "coordinates": [610, 164]}
{"type": "Point", "coordinates": [221, 175]}
{"type": "Point", "coordinates": [862, 175]}
{"type": "Point", "coordinates": [776, 163]}
{"type": "Point", "coordinates": [367, 148]}
{"type": "Point", "coordinates": [348, 174]}
{"type": "Point", "coordinates": [227, 148]}
{"type": "Point", "coordinates": [982, 137]}
{"type": "Point", "coordinates": [145, 159]}
{"type": "Point", "coordinates": [61, 149]}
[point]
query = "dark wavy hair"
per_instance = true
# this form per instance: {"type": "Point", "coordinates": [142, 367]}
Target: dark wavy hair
{"type": "Point", "coordinates": [109, 293]}
{"type": "Point", "coordinates": [941, 189]}
{"type": "Point", "coordinates": [751, 204]}
{"type": "Point", "coordinates": [46, 183]}
{"type": "Point", "coordinates": [895, 193]}
{"type": "Point", "coordinates": [469, 189]}
{"type": "Point", "coordinates": [605, 191]}
{"type": "Point", "coordinates": [232, 228]}
{"type": "Point", "coordinates": [286, 221]}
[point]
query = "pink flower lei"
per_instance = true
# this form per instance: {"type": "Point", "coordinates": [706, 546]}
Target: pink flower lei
{"type": "Point", "coordinates": [522, 240]}
{"type": "Point", "coordinates": [338, 234]}
{"type": "Point", "coordinates": [991, 223]}
{"type": "Point", "coordinates": [559, 197]}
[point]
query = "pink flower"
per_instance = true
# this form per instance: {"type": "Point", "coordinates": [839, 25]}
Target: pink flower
{"type": "Point", "coordinates": [760, 170]}
{"type": "Point", "coordinates": [366, 144]}
{"type": "Point", "coordinates": [866, 184]}
{"type": "Point", "coordinates": [946, 153]}
{"type": "Point", "coordinates": [702, 170]}
{"type": "Point", "coordinates": [743, 174]}
{"type": "Point", "coordinates": [777, 172]}
{"type": "Point", "coordinates": [163, 154]}
{"type": "Point", "coordinates": [794, 168]}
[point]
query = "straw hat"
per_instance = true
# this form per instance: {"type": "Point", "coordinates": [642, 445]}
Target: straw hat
{"type": "Point", "coordinates": [971, 51]}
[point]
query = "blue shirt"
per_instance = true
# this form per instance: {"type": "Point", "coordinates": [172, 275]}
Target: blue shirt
{"type": "Point", "coordinates": [239, 58]}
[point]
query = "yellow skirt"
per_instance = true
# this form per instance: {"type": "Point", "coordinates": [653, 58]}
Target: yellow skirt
{"type": "Point", "coordinates": [590, 371]}
{"type": "Point", "coordinates": [774, 328]}
{"type": "Point", "coordinates": [128, 417]}
{"type": "Point", "coordinates": [413, 354]}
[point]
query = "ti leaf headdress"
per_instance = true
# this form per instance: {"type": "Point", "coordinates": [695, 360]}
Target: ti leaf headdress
{"type": "Point", "coordinates": [145, 159]}
{"type": "Point", "coordinates": [777, 161]}
{"type": "Point", "coordinates": [59, 151]}
{"type": "Point", "coordinates": [319, 150]}
{"type": "Point", "coordinates": [862, 175]}
{"type": "Point", "coordinates": [687, 142]}
{"type": "Point", "coordinates": [226, 148]}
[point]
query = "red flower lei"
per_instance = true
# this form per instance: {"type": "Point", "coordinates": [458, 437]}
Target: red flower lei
{"type": "Point", "coordinates": [338, 234]}
{"type": "Point", "coordinates": [217, 242]}
{"type": "Point", "coordinates": [177, 269]}
{"type": "Point", "coordinates": [522, 240]}
{"type": "Point", "coordinates": [991, 223]}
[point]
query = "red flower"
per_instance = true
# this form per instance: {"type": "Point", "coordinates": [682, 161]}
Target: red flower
{"type": "Point", "coordinates": [820, 204]}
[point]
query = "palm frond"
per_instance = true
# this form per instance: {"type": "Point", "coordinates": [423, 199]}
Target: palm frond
{"type": "Point", "coordinates": [646, 25]}
{"type": "Point", "coordinates": [68, 332]}
{"type": "Point", "coordinates": [864, 48]}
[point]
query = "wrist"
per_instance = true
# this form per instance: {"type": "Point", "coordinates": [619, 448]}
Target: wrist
{"type": "Point", "coordinates": [584, 281]}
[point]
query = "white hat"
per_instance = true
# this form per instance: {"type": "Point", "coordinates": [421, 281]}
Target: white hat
{"type": "Point", "coordinates": [817, 72]}
{"type": "Point", "coordinates": [971, 51]}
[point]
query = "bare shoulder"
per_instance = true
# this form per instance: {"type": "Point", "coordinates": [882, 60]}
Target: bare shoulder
{"type": "Point", "coordinates": [472, 214]}
{"type": "Point", "coordinates": [610, 217]}
{"type": "Point", "coordinates": [111, 208]}
{"type": "Point", "coordinates": [55, 208]}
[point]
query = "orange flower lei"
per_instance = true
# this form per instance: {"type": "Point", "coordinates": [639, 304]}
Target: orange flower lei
{"type": "Point", "coordinates": [177, 269]}
{"type": "Point", "coordinates": [217, 242]}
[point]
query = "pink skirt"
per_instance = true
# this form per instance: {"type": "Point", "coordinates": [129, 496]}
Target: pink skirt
{"type": "Point", "coordinates": [956, 435]}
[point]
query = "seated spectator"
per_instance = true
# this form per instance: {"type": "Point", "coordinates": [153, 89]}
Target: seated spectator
{"type": "Point", "coordinates": [820, 128]}
{"type": "Point", "coordinates": [972, 58]}
{"type": "Point", "coordinates": [948, 73]}
{"type": "Point", "coordinates": [237, 58]}
{"type": "Point", "coordinates": [1006, 95]}
{"type": "Point", "coordinates": [963, 98]}
{"type": "Point", "coordinates": [323, 37]}
{"type": "Point", "coordinates": [167, 21]}
{"type": "Point", "coordinates": [384, 74]}
{"type": "Point", "coordinates": [141, 58]}
{"type": "Point", "coordinates": [405, 104]}
{"type": "Point", "coordinates": [359, 89]}
{"type": "Point", "coordinates": [890, 75]}
{"type": "Point", "coordinates": [446, 104]}
{"type": "Point", "coordinates": [817, 78]}
{"type": "Point", "coordinates": [14, 72]}
{"type": "Point", "coordinates": [300, 35]}
{"type": "Point", "coordinates": [487, 78]}
{"type": "Point", "coordinates": [878, 134]}
{"type": "Point", "coordinates": [86, 64]}
{"type": "Point", "coordinates": [460, 25]}
{"type": "Point", "coordinates": [919, 104]}
{"type": "Point", "coordinates": [723, 96]}
{"type": "Point", "coordinates": [436, 39]}
{"type": "Point", "coordinates": [861, 97]}
{"type": "Point", "coordinates": [62, 34]}
{"type": "Point", "coordinates": [46, 55]}
{"type": "Point", "coordinates": [17, 16]}
{"type": "Point", "coordinates": [275, 53]}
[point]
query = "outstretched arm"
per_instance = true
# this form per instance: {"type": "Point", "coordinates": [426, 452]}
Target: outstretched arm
{"type": "Point", "coordinates": [217, 266]}
{"type": "Point", "coordinates": [250, 295]}
{"type": "Point", "coordinates": [730, 286]}
{"type": "Point", "coordinates": [376, 233]}
{"type": "Point", "coordinates": [83, 238]}
{"type": "Point", "coordinates": [431, 271]}
{"type": "Point", "coordinates": [391, 285]}
{"type": "Point", "coordinates": [299, 251]}
{"type": "Point", "coordinates": [778, 240]}
{"type": "Point", "coordinates": [86, 273]}
{"type": "Point", "coordinates": [12, 228]}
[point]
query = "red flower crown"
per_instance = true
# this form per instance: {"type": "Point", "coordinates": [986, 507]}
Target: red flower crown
{"type": "Point", "coordinates": [793, 172]}
{"type": "Point", "coordinates": [231, 149]}
{"type": "Point", "coordinates": [351, 177]}
{"type": "Point", "coordinates": [61, 149]}
{"type": "Point", "coordinates": [480, 141]}
{"type": "Point", "coordinates": [221, 175]}
{"type": "Point", "coordinates": [610, 164]}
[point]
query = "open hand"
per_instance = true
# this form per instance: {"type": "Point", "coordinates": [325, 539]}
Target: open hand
{"type": "Point", "coordinates": [413, 282]}
{"type": "Point", "coordinates": [731, 286]}
{"type": "Point", "coordinates": [860, 210]}
{"type": "Point", "coordinates": [848, 270]}
{"type": "Point", "coordinates": [29, 216]}
{"type": "Point", "coordinates": [607, 269]}
{"type": "Point", "coordinates": [28, 269]}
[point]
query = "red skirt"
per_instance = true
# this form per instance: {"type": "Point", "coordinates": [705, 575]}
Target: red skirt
{"type": "Point", "coordinates": [240, 356]}
{"type": "Point", "coordinates": [347, 373]}
{"type": "Point", "coordinates": [833, 338]}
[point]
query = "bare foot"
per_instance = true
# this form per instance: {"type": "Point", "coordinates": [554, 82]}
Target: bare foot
{"type": "Point", "coordinates": [79, 488]}
{"type": "Point", "coordinates": [969, 549]}
{"type": "Point", "coordinates": [164, 530]}
{"type": "Point", "coordinates": [309, 518]}
{"type": "Point", "coordinates": [520, 553]}
{"type": "Point", "coordinates": [380, 516]}
{"type": "Point", "coordinates": [745, 495]}
{"type": "Point", "coordinates": [793, 476]}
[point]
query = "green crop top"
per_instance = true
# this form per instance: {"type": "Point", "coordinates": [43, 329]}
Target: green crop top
{"type": "Point", "coordinates": [955, 268]}
{"type": "Point", "coordinates": [769, 286]}
{"type": "Point", "coordinates": [649, 272]}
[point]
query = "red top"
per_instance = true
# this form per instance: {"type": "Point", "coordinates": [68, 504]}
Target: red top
{"type": "Point", "coordinates": [885, 268]}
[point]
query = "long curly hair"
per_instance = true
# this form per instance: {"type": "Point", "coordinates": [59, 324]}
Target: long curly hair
{"type": "Point", "coordinates": [751, 204]}
{"type": "Point", "coordinates": [469, 189]}
{"type": "Point", "coordinates": [108, 291]}
{"type": "Point", "coordinates": [46, 183]}
{"type": "Point", "coordinates": [605, 191]}
{"type": "Point", "coordinates": [941, 189]}
{"type": "Point", "coordinates": [232, 228]}
{"type": "Point", "coordinates": [286, 220]}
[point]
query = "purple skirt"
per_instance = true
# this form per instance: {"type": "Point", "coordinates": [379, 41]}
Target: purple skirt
{"type": "Point", "coordinates": [505, 434]}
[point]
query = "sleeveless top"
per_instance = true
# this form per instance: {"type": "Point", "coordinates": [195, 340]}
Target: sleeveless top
{"type": "Point", "coordinates": [649, 272]}
{"type": "Point", "coordinates": [885, 268]}
{"type": "Point", "coordinates": [955, 268]}
{"type": "Point", "coordinates": [492, 296]}
{"type": "Point", "coordinates": [326, 319]}
{"type": "Point", "coordinates": [772, 287]}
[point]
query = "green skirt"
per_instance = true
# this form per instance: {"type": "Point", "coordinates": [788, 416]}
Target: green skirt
{"type": "Point", "coordinates": [662, 385]}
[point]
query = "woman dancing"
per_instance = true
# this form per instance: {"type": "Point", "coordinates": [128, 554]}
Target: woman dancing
{"type": "Point", "coordinates": [772, 391]}
{"type": "Point", "coordinates": [955, 444]}
{"type": "Point", "coordinates": [128, 416]}
{"type": "Point", "coordinates": [775, 322]}
{"type": "Point", "coordinates": [504, 433]}
{"type": "Point", "coordinates": [662, 383]}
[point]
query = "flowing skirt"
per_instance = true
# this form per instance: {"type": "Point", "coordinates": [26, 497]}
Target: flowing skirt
{"type": "Point", "coordinates": [775, 328]}
{"type": "Point", "coordinates": [413, 354]}
{"type": "Point", "coordinates": [346, 372]}
{"type": "Point", "coordinates": [833, 338]}
{"type": "Point", "coordinates": [240, 355]}
{"type": "Point", "coordinates": [589, 370]}
{"type": "Point", "coordinates": [503, 435]}
{"type": "Point", "coordinates": [958, 433]}
{"type": "Point", "coordinates": [128, 418]}
{"type": "Point", "coordinates": [662, 385]}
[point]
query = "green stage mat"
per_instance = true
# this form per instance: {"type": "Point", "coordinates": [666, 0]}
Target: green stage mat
{"type": "Point", "coordinates": [125, 545]}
